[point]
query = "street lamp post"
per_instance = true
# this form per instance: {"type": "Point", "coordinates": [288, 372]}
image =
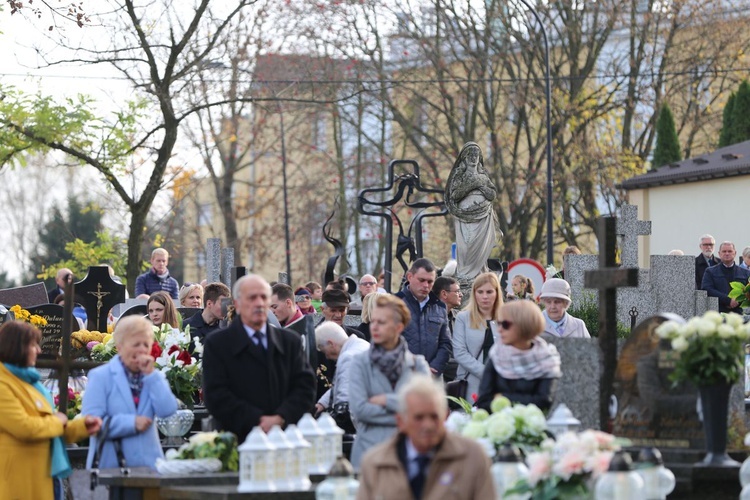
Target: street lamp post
{"type": "Point", "coordinates": [286, 202]}
{"type": "Point", "coordinates": [548, 111]}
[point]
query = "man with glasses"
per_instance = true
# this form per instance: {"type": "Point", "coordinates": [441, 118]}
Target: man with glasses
{"type": "Point", "coordinates": [449, 292]}
{"type": "Point", "coordinates": [717, 279]}
{"type": "Point", "coordinates": [367, 284]}
{"type": "Point", "coordinates": [705, 259]}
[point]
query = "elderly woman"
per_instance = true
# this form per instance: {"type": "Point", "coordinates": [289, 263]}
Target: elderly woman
{"type": "Point", "coordinates": [378, 373]}
{"type": "Point", "coordinates": [475, 330]}
{"type": "Point", "coordinates": [522, 367]}
{"type": "Point", "coordinates": [33, 460]}
{"type": "Point", "coordinates": [191, 295]}
{"type": "Point", "coordinates": [556, 299]}
{"type": "Point", "coordinates": [161, 309]}
{"type": "Point", "coordinates": [130, 393]}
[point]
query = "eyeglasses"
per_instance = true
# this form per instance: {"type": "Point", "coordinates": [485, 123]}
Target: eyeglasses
{"type": "Point", "coordinates": [458, 292]}
{"type": "Point", "coordinates": [505, 324]}
{"type": "Point", "coordinates": [368, 283]}
{"type": "Point", "coordinates": [708, 244]}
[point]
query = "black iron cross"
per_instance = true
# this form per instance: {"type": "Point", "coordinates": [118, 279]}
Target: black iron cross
{"type": "Point", "coordinates": [607, 279]}
{"type": "Point", "coordinates": [64, 364]}
{"type": "Point", "coordinates": [410, 183]}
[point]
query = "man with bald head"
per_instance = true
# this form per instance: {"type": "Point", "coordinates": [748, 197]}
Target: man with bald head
{"type": "Point", "coordinates": [62, 275]}
{"type": "Point", "coordinates": [253, 372]}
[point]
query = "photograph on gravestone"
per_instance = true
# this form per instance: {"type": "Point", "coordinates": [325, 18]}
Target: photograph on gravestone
{"type": "Point", "coordinates": [651, 411]}
{"type": "Point", "coordinates": [52, 332]}
{"type": "Point", "coordinates": [98, 293]}
{"type": "Point", "coordinates": [25, 296]}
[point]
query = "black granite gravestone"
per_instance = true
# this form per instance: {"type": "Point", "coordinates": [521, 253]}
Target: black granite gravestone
{"type": "Point", "coordinates": [188, 312]}
{"type": "Point", "coordinates": [24, 296]}
{"type": "Point", "coordinates": [52, 332]}
{"type": "Point", "coordinates": [138, 309]}
{"type": "Point", "coordinates": [650, 410]}
{"type": "Point", "coordinates": [98, 293]}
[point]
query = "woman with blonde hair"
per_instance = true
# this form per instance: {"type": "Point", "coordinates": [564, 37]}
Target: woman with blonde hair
{"type": "Point", "coordinates": [475, 330]}
{"type": "Point", "coordinates": [368, 305]}
{"type": "Point", "coordinates": [191, 295]}
{"type": "Point", "coordinates": [378, 373]}
{"type": "Point", "coordinates": [161, 309]}
{"type": "Point", "coordinates": [522, 367]}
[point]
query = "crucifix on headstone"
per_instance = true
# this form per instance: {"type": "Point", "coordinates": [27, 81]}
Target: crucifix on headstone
{"type": "Point", "coordinates": [629, 228]}
{"type": "Point", "coordinates": [607, 279]}
{"type": "Point", "coordinates": [99, 293]}
{"type": "Point", "coordinates": [64, 364]}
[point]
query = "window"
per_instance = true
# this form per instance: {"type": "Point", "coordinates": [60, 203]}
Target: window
{"type": "Point", "coordinates": [205, 214]}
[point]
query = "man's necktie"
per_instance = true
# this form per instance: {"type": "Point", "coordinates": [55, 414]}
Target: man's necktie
{"type": "Point", "coordinates": [417, 482]}
{"type": "Point", "coordinates": [259, 340]}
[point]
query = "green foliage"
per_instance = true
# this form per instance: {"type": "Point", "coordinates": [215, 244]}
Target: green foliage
{"type": "Point", "coordinates": [587, 310]}
{"type": "Point", "coordinates": [105, 249]}
{"type": "Point", "coordinates": [740, 292]}
{"type": "Point", "coordinates": [726, 122]}
{"type": "Point", "coordinates": [223, 446]}
{"type": "Point", "coordinates": [740, 130]}
{"type": "Point", "coordinates": [667, 148]}
{"type": "Point", "coordinates": [554, 488]}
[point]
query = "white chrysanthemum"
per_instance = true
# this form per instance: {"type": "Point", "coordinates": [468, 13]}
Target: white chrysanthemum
{"type": "Point", "coordinates": [667, 330]}
{"type": "Point", "coordinates": [733, 319]}
{"type": "Point", "coordinates": [500, 427]}
{"type": "Point", "coordinates": [726, 331]}
{"type": "Point", "coordinates": [456, 421]}
{"type": "Point", "coordinates": [679, 344]}
{"type": "Point", "coordinates": [714, 317]}
{"type": "Point", "coordinates": [474, 430]}
{"type": "Point", "coordinates": [203, 437]}
{"type": "Point", "coordinates": [705, 328]}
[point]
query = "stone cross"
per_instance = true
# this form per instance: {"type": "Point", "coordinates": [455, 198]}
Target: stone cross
{"type": "Point", "coordinates": [213, 260]}
{"type": "Point", "coordinates": [629, 228]}
{"type": "Point", "coordinates": [607, 279]}
{"type": "Point", "coordinates": [227, 263]}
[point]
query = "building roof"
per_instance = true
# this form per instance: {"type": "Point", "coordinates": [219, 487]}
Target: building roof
{"type": "Point", "coordinates": [730, 161]}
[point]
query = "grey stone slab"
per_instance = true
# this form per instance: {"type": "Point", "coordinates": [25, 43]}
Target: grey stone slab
{"type": "Point", "coordinates": [25, 296]}
{"type": "Point", "coordinates": [629, 228]}
{"type": "Point", "coordinates": [667, 271]}
{"type": "Point", "coordinates": [213, 260]}
{"type": "Point", "coordinates": [227, 263]}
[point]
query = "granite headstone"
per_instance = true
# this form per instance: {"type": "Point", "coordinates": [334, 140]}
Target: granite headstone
{"type": "Point", "coordinates": [25, 296]}
{"type": "Point", "coordinates": [52, 332]}
{"type": "Point", "coordinates": [99, 293]}
{"type": "Point", "coordinates": [213, 260]}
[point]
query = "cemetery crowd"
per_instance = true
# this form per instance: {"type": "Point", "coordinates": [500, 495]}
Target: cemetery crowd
{"type": "Point", "coordinates": [266, 363]}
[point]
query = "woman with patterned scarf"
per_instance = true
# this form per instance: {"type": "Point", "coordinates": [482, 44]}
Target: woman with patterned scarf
{"type": "Point", "coordinates": [378, 373]}
{"type": "Point", "coordinates": [33, 460]}
{"type": "Point", "coordinates": [523, 367]}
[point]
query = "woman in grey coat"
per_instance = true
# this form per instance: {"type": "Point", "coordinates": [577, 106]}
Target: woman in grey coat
{"type": "Point", "coordinates": [378, 373]}
{"type": "Point", "coordinates": [475, 331]}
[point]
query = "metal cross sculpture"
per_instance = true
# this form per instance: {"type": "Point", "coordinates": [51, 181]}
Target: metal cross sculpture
{"type": "Point", "coordinates": [410, 183]}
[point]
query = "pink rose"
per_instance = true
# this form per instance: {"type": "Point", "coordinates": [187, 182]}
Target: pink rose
{"type": "Point", "coordinates": [539, 467]}
{"type": "Point", "coordinates": [570, 463]}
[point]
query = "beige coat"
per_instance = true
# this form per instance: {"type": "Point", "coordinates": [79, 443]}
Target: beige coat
{"type": "Point", "coordinates": [460, 470]}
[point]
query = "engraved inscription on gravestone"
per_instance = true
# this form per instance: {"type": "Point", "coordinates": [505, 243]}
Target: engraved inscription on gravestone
{"type": "Point", "coordinates": [650, 410]}
{"type": "Point", "coordinates": [52, 332]}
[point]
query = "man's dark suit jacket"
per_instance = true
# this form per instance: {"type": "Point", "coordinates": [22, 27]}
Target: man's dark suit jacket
{"type": "Point", "coordinates": [700, 267]}
{"type": "Point", "coordinates": [716, 284]}
{"type": "Point", "coordinates": [242, 383]}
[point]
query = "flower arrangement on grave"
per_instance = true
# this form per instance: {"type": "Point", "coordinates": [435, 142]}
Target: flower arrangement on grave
{"type": "Point", "coordinates": [221, 445]}
{"type": "Point", "coordinates": [568, 467]}
{"type": "Point", "coordinates": [522, 425]}
{"type": "Point", "coordinates": [103, 351]}
{"type": "Point", "coordinates": [174, 357]}
{"type": "Point", "coordinates": [75, 401]}
{"type": "Point", "coordinates": [83, 338]}
{"type": "Point", "coordinates": [740, 292]}
{"type": "Point", "coordinates": [710, 348]}
{"type": "Point", "coordinates": [24, 315]}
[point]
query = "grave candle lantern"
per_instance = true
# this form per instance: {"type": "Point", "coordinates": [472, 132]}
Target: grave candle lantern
{"type": "Point", "coordinates": [562, 421]}
{"type": "Point", "coordinates": [620, 481]}
{"type": "Point", "coordinates": [311, 432]}
{"type": "Point", "coordinates": [257, 461]}
{"type": "Point", "coordinates": [508, 469]}
{"type": "Point", "coordinates": [340, 483]}
{"type": "Point", "coordinates": [658, 480]}
{"type": "Point", "coordinates": [282, 472]}
{"type": "Point", "coordinates": [298, 464]}
{"type": "Point", "coordinates": [333, 438]}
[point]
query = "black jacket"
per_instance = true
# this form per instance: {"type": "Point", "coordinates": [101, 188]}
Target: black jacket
{"type": "Point", "coordinates": [427, 333]}
{"type": "Point", "coordinates": [700, 268]}
{"type": "Point", "coordinates": [539, 392]}
{"type": "Point", "coordinates": [241, 383]}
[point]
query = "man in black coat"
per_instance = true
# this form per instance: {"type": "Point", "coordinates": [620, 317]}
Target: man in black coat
{"type": "Point", "coordinates": [705, 259]}
{"type": "Point", "coordinates": [255, 373]}
{"type": "Point", "coordinates": [717, 278]}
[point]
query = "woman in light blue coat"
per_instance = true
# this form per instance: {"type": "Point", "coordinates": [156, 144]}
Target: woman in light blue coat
{"type": "Point", "coordinates": [378, 373]}
{"type": "Point", "coordinates": [475, 331]}
{"type": "Point", "coordinates": [129, 392]}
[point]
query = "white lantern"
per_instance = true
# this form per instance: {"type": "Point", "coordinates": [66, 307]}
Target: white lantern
{"type": "Point", "coordinates": [257, 463]}
{"type": "Point", "coordinates": [298, 464]}
{"type": "Point", "coordinates": [340, 483]}
{"type": "Point", "coordinates": [658, 481]}
{"type": "Point", "coordinates": [507, 470]}
{"type": "Point", "coordinates": [562, 421]}
{"type": "Point", "coordinates": [284, 451]}
{"type": "Point", "coordinates": [334, 436]}
{"type": "Point", "coordinates": [745, 472]}
{"type": "Point", "coordinates": [620, 482]}
{"type": "Point", "coordinates": [311, 432]}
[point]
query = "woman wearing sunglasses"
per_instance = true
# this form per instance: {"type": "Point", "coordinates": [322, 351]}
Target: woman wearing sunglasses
{"type": "Point", "coordinates": [522, 366]}
{"type": "Point", "coordinates": [475, 330]}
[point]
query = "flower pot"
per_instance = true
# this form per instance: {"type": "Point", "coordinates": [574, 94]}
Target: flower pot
{"type": "Point", "coordinates": [715, 407]}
